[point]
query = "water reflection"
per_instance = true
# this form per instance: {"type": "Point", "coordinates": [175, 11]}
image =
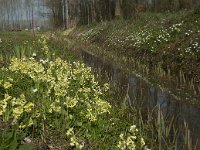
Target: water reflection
{"type": "Point", "coordinates": [145, 95]}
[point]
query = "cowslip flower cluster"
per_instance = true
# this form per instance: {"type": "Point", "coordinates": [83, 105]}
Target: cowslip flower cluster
{"type": "Point", "coordinates": [73, 139]}
{"type": "Point", "coordinates": [44, 45]}
{"type": "Point", "coordinates": [51, 89]}
{"type": "Point", "coordinates": [72, 83]}
{"type": "Point", "coordinates": [131, 140]}
{"type": "Point", "coordinates": [13, 108]}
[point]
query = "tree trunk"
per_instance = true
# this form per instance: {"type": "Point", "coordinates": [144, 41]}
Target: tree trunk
{"type": "Point", "coordinates": [117, 8]}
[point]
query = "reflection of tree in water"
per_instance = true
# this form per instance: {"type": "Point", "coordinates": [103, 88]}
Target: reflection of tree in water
{"type": "Point", "coordinates": [152, 98]}
{"type": "Point", "coordinates": [120, 83]}
{"type": "Point", "coordinates": [162, 102]}
{"type": "Point", "coordinates": [132, 90]}
{"type": "Point", "coordinates": [114, 77]}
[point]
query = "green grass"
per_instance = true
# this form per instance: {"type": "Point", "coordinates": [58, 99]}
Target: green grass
{"type": "Point", "coordinates": [42, 123]}
{"type": "Point", "coordinates": [165, 45]}
{"type": "Point", "coordinates": [39, 107]}
{"type": "Point", "coordinates": [152, 32]}
{"type": "Point", "coordinates": [169, 58]}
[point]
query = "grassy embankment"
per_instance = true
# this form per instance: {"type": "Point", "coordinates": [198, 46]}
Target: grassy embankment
{"type": "Point", "coordinates": [47, 102]}
{"type": "Point", "coordinates": [164, 47]}
{"type": "Point", "coordinates": [52, 103]}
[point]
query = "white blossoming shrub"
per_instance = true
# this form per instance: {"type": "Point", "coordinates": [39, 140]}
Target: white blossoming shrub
{"type": "Point", "coordinates": [131, 140]}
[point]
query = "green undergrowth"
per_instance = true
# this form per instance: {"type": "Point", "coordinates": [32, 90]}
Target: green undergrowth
{"type": "Point", "coordinates": [152, 37]}
{"type": "Point", "coordinates": [25, 43]}
{"type": "Point", "coordinates": [50, 100]}
{"type": "Point", "coordinates": [150, 31]}
{"type": "Point", "coordinates": [165, 45]}
{"type": "Point", "coordinates": [170, 41]}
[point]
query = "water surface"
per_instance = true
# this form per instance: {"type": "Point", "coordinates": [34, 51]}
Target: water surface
{"type": "Point", "coordinates": [144, 95]}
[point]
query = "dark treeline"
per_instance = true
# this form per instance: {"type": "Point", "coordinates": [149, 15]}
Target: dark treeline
{"type": "Point", "coordinates": [67, 13]}
{"type": "Point", "coordinates": [90, 11]}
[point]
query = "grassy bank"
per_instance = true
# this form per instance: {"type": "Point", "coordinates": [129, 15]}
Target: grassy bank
{"type": "Point", "coordinates": [165, 47]}
{"type": "Point", "coordinates": [52, 102]}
